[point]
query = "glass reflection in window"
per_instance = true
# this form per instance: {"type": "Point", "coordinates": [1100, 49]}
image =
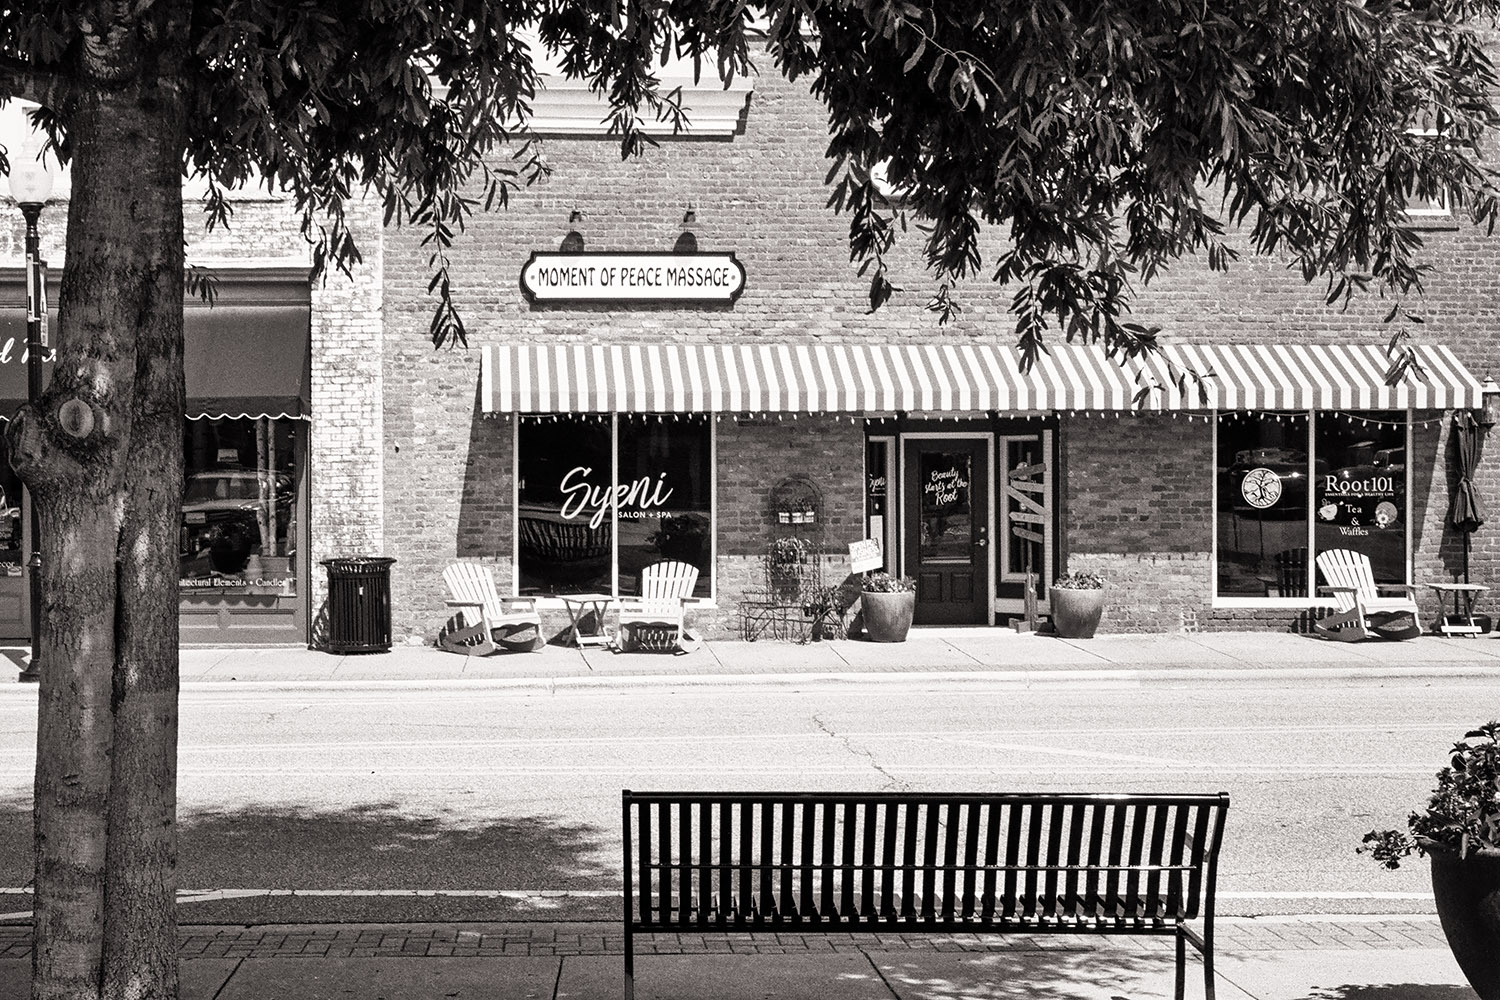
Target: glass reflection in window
{"type": "Point", "coordinates": [664, 509]}
{"type": "Point", "coordinates": [565, 531]}
{"type": "Point", "coordinates": [1360, 491]}
{"type": "Point", "coordinates": [238, 533]}
{"type": "Point", "coordinates": [1262, 500]}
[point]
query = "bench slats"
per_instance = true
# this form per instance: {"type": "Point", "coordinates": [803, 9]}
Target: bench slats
{"type": "Point", "coordinates": [1073, 904]}
{"type": "Point", "coordinates": [643, 842]}
{"type": "Point", "coordinates": [993, 813]}
{"type": "Point", "coordinates": [1049, 905]}
{"type": "Point", "coordinates": [1086, 863]}
{"type": "Point", "coordinates": [847, 861]}
{"type": "Point", "coordinates": [1012, 859]}
{"type": "Point", "coordinates": [1174, 880]}
{"type": "Point", "coordinates": [664, 872]}
{"type": "Point", "coordinates": [1153, 900]}
{"type": "Point", "coordinates": [747, 907]}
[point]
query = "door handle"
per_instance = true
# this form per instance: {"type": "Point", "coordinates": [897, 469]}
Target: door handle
{"type": "Point", "coordinates": [980, 543]}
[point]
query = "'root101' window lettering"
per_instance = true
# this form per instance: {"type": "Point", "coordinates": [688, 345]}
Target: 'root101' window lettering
{"type": "Point", "coordinates": [1292, 485]}
{"type": "Point", "coordinates": [599, 500]}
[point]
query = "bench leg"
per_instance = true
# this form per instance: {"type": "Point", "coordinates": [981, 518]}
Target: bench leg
{"type": "Point", "coordinates": [1204, 945]}
{"type": "Point", "coordinates": [1181, 965]}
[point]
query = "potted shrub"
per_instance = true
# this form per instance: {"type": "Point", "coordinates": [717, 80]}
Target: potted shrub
{"type": "Point", "coordinates": [887, 603]}
{"type": "Point", "coordinates": [1077, 604]}
{"type": "Point", "coordinates": [1460, 833]}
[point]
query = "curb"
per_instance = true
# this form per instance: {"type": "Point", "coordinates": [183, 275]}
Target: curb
{"type": "Point", "coordinates": [1029, 678]}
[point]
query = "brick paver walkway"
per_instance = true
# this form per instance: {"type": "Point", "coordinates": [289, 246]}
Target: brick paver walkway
{"type": "Point", "coordinates": [600, 938]}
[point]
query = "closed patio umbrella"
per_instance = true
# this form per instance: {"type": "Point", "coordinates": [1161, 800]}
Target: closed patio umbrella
{"type": "Point", "coordinates": [1468, 511]}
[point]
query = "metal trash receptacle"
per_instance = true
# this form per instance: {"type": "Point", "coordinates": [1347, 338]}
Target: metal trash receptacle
{"type": "Point", "coordinates": [359, 604]}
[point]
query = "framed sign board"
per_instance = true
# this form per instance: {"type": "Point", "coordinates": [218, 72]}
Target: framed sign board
{"type": "Point", "coordinates": [688, 279]}
{"type": "Point", "coordinates": [865, 555]}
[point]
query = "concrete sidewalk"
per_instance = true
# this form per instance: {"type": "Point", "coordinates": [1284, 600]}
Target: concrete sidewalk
{"type": "Point", "coordinates": [995, 654]}
{"type": "Point", "coordinates": [1284, 958]}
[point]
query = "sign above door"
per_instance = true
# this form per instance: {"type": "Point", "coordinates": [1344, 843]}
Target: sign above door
{"type": "Point", "coordinates": [689, 279]}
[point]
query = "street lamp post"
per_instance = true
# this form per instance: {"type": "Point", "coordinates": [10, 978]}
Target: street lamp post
{"type": "Point", "coordinates": [30, 186]}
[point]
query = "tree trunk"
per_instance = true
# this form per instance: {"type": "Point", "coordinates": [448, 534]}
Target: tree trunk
{"type": "Point", "coordinates": [109, 499]}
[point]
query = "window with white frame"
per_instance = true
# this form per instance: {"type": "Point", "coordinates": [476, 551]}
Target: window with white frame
{"type": "Point", "coordinates": [598, 499]}
{"type": "Point", "coordinates": [1290, 485]}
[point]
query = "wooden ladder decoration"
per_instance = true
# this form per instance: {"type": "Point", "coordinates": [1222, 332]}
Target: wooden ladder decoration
{"type": "Point", "coordinates": [1024, 510]}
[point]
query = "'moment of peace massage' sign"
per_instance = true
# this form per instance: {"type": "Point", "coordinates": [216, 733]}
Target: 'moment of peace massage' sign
{"type": "Point", "coordinates": [632, 277]}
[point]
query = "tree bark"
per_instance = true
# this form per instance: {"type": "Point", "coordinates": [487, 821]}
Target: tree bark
{"type": "Point", "coordinates": [109, 501]}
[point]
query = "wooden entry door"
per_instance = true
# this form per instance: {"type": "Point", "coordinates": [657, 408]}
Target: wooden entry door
{"type": "Point", "coordinates": [946, 528]}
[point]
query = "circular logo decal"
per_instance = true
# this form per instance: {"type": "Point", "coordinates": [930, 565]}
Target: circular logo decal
{"type": "Point", "coordinates": [1261, 488]}
{"type": "Point", "coordinates": [1385, 514]}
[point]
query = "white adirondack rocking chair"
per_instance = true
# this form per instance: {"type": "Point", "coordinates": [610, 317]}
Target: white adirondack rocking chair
{"type": "Point", "coordinates": [490, 622]}
{"type": "Point", "coordinates": [666, 588]}
{"type": "Point", "coordinates": [1348, 577]}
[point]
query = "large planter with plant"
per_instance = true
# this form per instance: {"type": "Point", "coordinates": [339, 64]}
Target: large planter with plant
{"type": "Point", "coordinates": [887, 604]}
{"type": "Point", "coordinates": [1460, 833]}
{"type": "Point", "coordinates": [1077, 605]}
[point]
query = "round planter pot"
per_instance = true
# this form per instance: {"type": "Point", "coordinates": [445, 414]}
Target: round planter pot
{"type": "Point", "coordinates": [1076, 613]}
{"type": "Point", "coordinates": [1467, 893]}
{"type": "Point", "coordinates": [887, 616]}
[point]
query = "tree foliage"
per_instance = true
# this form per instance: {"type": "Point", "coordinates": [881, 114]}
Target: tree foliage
{"type": "Point", "coordinates": [1101, 140]}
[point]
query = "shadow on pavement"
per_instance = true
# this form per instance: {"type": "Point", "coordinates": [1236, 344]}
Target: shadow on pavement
{"type": "Point", "coordinates": [1105, 972]}
{"type": "Point", "coordinates": [367, 862]}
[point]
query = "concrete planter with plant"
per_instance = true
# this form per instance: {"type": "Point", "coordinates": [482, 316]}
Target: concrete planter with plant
{"type": "Point", "coordinates": [887, 603]}
{"type": "Point", "coordinates": [1460, 833]}
{"type": "Point", "coordinates": [1077, 605]}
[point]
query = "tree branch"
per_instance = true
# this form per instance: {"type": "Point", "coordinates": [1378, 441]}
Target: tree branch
{"type": "Point", "coordinates": [19, 78]}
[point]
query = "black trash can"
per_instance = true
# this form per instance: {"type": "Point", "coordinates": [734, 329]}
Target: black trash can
{"type": "Point", "coordinates": [359, 604]}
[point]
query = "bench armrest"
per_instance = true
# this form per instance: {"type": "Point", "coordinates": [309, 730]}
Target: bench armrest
{"type": "Point", "coordinates": [1409, 588]}
{"type": "Point", "coordinates": [1338, 590]}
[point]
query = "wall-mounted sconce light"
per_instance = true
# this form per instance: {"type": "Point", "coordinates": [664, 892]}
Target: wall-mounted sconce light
{"type": "Point", "coordinates": [687, 240]}
{"type": "Point", "coordinates": [573, 241]}
{"type": "Point", "coordinates": [1489, 413]}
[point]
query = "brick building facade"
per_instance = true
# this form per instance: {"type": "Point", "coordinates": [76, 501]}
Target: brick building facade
{"type": "Point", "coordinates": [1134, 494]}
{"type": "Point", "coordinates": [431, 456]}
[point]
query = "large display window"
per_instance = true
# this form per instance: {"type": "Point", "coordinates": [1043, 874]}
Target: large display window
{"type": "Point", "coordinates": [598, 499]}
{"type": "Point", "coordinates": [1292, 485]}
{"type": "Point", "coordinates": [239, 534]}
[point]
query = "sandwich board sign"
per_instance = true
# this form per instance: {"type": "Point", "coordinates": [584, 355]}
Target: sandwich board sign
{"type": "Point", "coordinates": [865, 555]}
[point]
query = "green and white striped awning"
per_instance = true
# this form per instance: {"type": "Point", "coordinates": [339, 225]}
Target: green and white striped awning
{"type": "Point", "coordinates": [957, 378]}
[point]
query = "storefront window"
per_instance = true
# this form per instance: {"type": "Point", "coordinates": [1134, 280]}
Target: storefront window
{"type": "Point", "coordinates": [1337, 478]}
{"type": "Point", "coordinates": [665, 511]}
{"type": "Point", "coordinates": [12, 561]}
{"type": "Point", "coordinates": [593, 515]}
{"type": "Point", "coordinates": [239, 531]}
{"type": "Point", "coordinates": [1262, 499]}
{"type": "Point", "coordinates": [565, 539]}
{"type": "Point", "coordinates": [1360, 501]}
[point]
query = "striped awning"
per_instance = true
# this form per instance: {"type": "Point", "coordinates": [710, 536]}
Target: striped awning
{"type": "Point", "coordinates": [957, 378]}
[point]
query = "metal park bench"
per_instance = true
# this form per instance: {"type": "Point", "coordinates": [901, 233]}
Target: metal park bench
{"type": "Point", "coordinates": [923, 863]}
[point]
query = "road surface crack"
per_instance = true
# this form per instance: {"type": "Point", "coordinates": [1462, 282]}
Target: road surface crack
{"type": "Point", "coordinates": [892, 783]}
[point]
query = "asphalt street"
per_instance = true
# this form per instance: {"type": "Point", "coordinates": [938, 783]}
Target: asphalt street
{"type": "Point", "coordinates": [391, 803]}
